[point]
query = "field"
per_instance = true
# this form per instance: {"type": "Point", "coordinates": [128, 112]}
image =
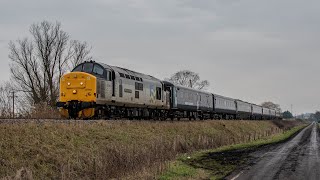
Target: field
{"type": "Point", "coordinates": [115, 149]}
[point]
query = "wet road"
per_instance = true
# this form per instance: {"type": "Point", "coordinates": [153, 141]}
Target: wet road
{"type": "Point", "coordinates": [295, 159]}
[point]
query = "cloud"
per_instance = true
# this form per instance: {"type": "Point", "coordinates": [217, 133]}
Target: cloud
{"type": "Point", "coordinates": [253, 50]}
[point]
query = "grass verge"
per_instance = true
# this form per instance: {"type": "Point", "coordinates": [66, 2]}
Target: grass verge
{"type": "Point", "coordinates": [116, 149]}
{"type": "Point", "coordinates": [220, 162]}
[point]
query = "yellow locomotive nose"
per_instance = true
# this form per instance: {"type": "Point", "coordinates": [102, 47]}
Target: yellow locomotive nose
{"type": "Point", "coordinates": [76, 97]}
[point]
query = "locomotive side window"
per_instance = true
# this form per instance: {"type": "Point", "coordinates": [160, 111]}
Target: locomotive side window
{"type": "Point", "coordinates": [87, 67]}
{"type": "Point", "coordinates": [108, 75]}
{"type": "Point", "coordinates": [120, 88]}
{"type": "Point", "coordinates": [139, 86]}
{"type": "Point", "coordinates": [78, 68]}
{"type": "Point", "coordinates": [158, 93]}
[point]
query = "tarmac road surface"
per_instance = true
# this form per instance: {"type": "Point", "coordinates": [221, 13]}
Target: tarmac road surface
{"type": "Point", "coordinates": [296, 159]}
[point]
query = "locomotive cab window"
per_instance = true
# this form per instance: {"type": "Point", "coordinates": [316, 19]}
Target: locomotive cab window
{"type": "Point", "coordinates": [78, 68]}
{"type": "Point", "coordinates": [87, 67]}
{"type": "Point", "coordinates": [98, 70]}
{"type": "Point", "coordinates": [158, 93]}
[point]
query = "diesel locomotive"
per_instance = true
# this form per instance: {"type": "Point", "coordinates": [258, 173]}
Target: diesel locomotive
{"type": "Point", "coordinates": [97, 90]}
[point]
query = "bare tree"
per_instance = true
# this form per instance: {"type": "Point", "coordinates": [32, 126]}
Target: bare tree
{"type": "Point", "coordinates": [80, 53]}
{"type": "Point", "coordinates": [189, 79]}
{"type": "Point", "coordinates": [5, 100]}
{"type": "Point", "coordinates": [37, 64]}
{"type": "Point", "coordinates": [271, 105]}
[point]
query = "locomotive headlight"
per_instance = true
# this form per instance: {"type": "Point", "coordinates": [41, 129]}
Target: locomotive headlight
{"type": "Point", "coordinates": [74, 91]}
{"type": "Point", "coordinates": [81, 83]}
{"type": "Point", "coordinates": [69, 84]}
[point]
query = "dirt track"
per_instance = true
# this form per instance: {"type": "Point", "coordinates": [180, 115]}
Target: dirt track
{"type": "Point", "coordinates": [295, 159]}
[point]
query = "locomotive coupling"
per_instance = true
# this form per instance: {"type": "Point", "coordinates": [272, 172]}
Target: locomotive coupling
{"type": "Point", "coordinates": [76, 104]}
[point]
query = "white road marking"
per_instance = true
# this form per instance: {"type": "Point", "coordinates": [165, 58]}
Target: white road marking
{"type": "Point", "coordinates": [238, 175]}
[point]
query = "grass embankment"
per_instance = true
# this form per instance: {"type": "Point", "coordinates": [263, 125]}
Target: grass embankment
{"type": "Point", "coordinates": [110, 149]}
{"type": "Point", "coordinates": [218, 163]}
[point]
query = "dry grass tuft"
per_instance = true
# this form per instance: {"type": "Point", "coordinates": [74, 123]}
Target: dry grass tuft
{"type": "Point", "coordinates": [21, 174]}
{"type": "Point", "coordinates": [111, 149]}
{"type": "Point", "coordinates": [44, 111]}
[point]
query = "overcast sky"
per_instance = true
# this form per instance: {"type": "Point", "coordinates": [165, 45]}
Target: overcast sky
{"type": "Point", "coordinates": [254, 50]}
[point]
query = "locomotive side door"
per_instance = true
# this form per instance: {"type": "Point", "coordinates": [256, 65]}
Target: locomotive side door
{"type": "Point", "coordinates": [108, 86]}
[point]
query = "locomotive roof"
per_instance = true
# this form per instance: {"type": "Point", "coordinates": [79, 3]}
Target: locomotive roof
{"type": "Point", "coordinates": [129, 72]}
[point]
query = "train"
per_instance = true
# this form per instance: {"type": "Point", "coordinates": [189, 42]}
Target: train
{"type": "Point", "coordinates": [95, 90]}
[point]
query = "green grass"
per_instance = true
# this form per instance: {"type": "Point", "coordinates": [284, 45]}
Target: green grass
{"type": "Point", "coordinates": [214, 164]}
{"type": "Point", "coordinates": [180, 171]}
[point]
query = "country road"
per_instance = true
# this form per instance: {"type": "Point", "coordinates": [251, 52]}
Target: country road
{"type": "Point", "coordinates": [295, 159]}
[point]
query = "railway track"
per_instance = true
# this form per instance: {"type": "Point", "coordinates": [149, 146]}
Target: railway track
{"type": "Point", "coordinates": [15, 121]}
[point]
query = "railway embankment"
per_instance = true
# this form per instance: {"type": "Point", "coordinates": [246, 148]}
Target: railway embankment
{"type": "Point", "coordinates": [118, 149]}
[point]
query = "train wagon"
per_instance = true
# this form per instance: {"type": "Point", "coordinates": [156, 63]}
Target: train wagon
{"type": "Point", "coordinates": [257, 112]}
{"type": "Point", "coordinates": [244, 110]}
{"type": "Point", "coordinates": [189, 103]}
{"type": "Point", "coordinates": [224, 107]}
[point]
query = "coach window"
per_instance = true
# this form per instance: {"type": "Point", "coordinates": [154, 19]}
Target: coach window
{"type": "Point", "coordinates": [87, 67]}
{"type": "Point", "coordinates": [78, 68]}
{"type": "Point", "coordinates": [158, 93]}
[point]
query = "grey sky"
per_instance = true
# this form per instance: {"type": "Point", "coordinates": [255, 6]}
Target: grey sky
{"type": "Point", "coordinates": [255, 50]}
